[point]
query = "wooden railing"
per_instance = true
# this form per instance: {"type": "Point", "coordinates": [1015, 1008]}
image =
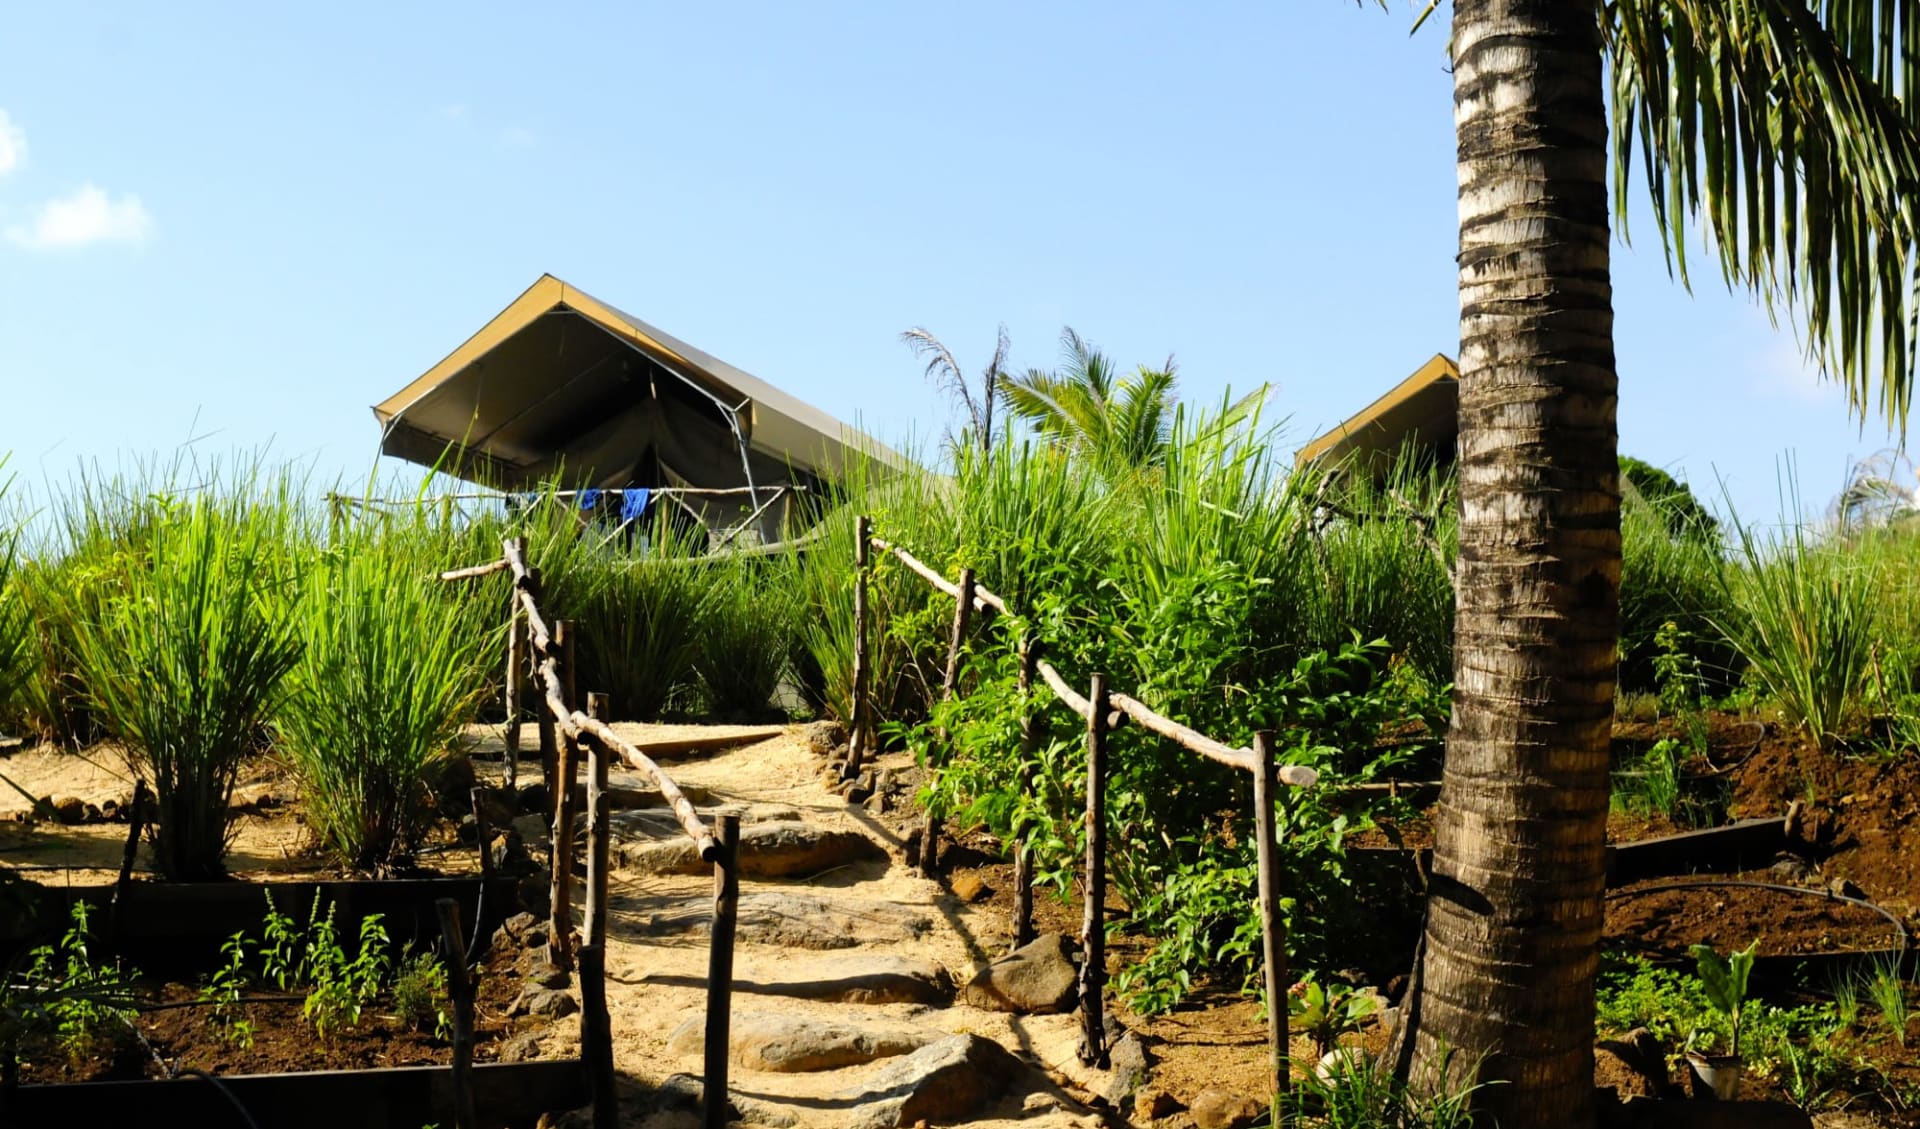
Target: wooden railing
{"type": "Point", "coordinates": [547, 652]}
{"type": "Point", "coordinates": [1103, 710]}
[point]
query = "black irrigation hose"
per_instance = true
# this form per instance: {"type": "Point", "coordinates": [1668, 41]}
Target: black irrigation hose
{"type": "Point", "coordinates": [225, 1092]}
{"type": "Point", "coordinates": [1899, 928]}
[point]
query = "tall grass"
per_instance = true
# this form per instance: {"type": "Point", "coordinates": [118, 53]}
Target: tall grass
{"type": "Point", "coordinates": [1674, 575]}
{"type": "Point", "coordinates": [1806, 624]}
{"type": "Point", "coordinates": [747, 625]}
{"type": "Point", "coordinates": [391, 671]}
{"type": "Point", "coordinates": [182, 650]}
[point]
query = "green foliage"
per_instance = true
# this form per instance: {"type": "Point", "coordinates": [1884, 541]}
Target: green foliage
{"type": "Point", "coordinates": [391, 671]}
{"type": "Point", "coordinates": [1678, 577]}
{"type": "Point", "coordinates": [1357, 1093]}
{"type": "Point", "coordinates": [224, 989]}
{"type": "Point", "coordinates": [1807, 626]}
{"type": "Point", "coordinates": [184, 654]}
{"type": "Point", "coordinates": [1670, 498]}
{"type": "Point", "coordinates": [420, 998]}
{"type": "Point", "coordinates": [1724, 980]}
{"type": "Point", "coordinates": [64, 995]}
{"type": "Point", "coordinates": [1326, 1011]}
{"type": "Point", "coordinates": [746, 627]}
{"type": "Point", "coordinates": [1888, 991]}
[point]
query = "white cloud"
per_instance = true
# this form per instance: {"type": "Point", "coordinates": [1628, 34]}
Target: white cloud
{"type": "Point", "coordinates": [87, 216]}
{"type": "Point", "coordinates": [13, 145]}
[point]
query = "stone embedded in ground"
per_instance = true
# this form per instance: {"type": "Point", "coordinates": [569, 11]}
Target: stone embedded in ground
{"type": "Point", "coordinates": [1218, 1109]}
{"type": "Point", "coordinates": [856, 979]}
{"type": "Point", "coordinates": [800, 921]}
{"type": "Point", "coordinates": [520, 1048]}
{"type": "Point", "coordinates": [685, 1092]}
{"type": "Point", "coordinates": [789, 1044]}
{"type": "Point", "coordinates": [1128, 1064]}
{"type": "Point", "coordinates": [1035, 979]}
{"type": "Point", "coordinates": [522, 930]}
{"type": "Point", "coordinates": [940, 1082]}
{"type": "Point", "coordinates": [1152, 1105]}
{"type": "Point", "coordinates": [532, 829]}
{"type": "Point", "coordinates": [535, 1000]}
{"type": "Point", "coordinates": [824, 737]}
{"type": "Point", "coordinates": [774, 849]}
{"type": "Point", "coordinates": [969, 887]}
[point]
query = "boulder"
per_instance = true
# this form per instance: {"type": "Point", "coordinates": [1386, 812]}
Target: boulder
{"type": "Point", "coordinates": [774, 849]}
{"type": "Point", "coordinates": [69, 809]}
{"type": "Point", "coordinates": [521, 1048]}
{"type": "Point", "coordinates": [521, 931]}
{"type": "Point", "coordinates": [858, 979]}
{"type": "Point", "coordinates": [551, 1002]}
{"type": "Point", "coordinates": [942, 1082]}
{"type": "Point", "coordinates": [1152, 1105]}
{"type": "Point", "coordinates": [1218, 1109]}
{"type": "Point", "coordinates": [789, 1044]}
{"type": "Point", "coordinates": [1036, 979]}
{"type": "Point", "coordinates": [969, 887]}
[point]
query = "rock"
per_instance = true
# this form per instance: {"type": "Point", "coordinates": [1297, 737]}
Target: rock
{"type": "Point", "coordinates": [685, 1092]}
{"type": "Point", "coordinates": [789, 1044]}
{"type": "Point", "coordinates": [533, 894]}
{"type": "Point", "coordinates": [1035, 979]}
{"type": "Point", "coordinates": [798, 921]}
{"type": "Point", "coordinates": [1845, 888]}
{"type": "Point", "coordinates": [774, 849]}
{"type": "Point", "coordinates": [1793, 868]}
{"type": "Point", "coordinates": [535, 1000]}
{"type": "Point", "coordinates": [521, 1048]}
{"type": "Point", "coordinates": [546, 974]}
{"type": "Point", "coordinates": [858, 793]}
{"type": "Point", "coordinates": [534, 799]}
{"type": "Point", "coordinates": [510, 855]}
{"type": "Point", "coordinates": [942, 1082]}
{"type": "Point", "coordinates": [1218, 1109]}
{"type": "Point", "coordinates": [969, 887]}
{"type": "Point", "coordinates": [113, 811]}
{"type": "Point", "coordinates": [252, 799]}
{"type": "Point", "coordinates": [1635, 1065]}
{"type": "Point", "coordinates": [1128, 1064]}
{"type": "Point", "coordinates": [825, 737]}
{"type": "Point", "coordinates": [522, 930]}
{"type": "Point", "coordinates": [499, 806]}
{"type": "Point", "coordinates": [858, 979]}
{"type": "Point", "coordinates": [1152, 1105]}
{"type": "Point", "coordinates": [879, 803]}
{"type": "Point", "coordinates": [69, 809]}
{"type": "Point", "coordinates": [468, 829]}
{"type": "Point", "coordinates": [93, 814]}
{"type": "Point", "coordinates": [532, 828]}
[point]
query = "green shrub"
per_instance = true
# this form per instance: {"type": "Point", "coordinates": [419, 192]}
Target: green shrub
{"type": "Point", "coordinates": [746, 632]}
{"type": "Point", "coordinates": [184, 654]}
{"type": "Point", "coordinates": [391, 671]}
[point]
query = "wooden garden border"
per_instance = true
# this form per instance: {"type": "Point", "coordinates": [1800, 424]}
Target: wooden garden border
{"type": "Point", "coordinates": [564, 731]}
{"type": "Point", "coordinates": [1103, 710]}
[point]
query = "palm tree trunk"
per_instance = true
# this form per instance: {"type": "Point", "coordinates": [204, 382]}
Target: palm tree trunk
{"type": "Point", "coordinates": [1505, 976]}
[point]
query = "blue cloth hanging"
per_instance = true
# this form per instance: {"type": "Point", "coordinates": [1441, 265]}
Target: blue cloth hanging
{"type": "Point", "coordinates": [633, 503]}
{"type": "Point", "coordinates": [589, 499]}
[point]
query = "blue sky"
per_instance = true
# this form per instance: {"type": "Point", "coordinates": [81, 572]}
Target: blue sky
{"type": "Point", "coordinates": [253, 221]}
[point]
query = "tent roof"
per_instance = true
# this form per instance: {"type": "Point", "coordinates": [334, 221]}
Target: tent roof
{"type": "Point", "coordinates": [561, 376]}
{"type": "Point", "coordinates": [1421, 410]}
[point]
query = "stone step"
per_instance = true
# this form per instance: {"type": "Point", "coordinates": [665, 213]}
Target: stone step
{"type": "Point", "coordinates": [854, 978]}
{"type": "Point", "coordinates": [783, 918]}
{"type": "Point", "coordinates": [788, 1044]}
{"type": "Point", "coordinates": [778, 848]}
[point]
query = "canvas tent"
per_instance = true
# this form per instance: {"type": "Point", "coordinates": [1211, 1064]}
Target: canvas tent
{"type": "Point", "coordinates": [1418, 415]}
{"type": "Point", "coordinates": [560, 381]}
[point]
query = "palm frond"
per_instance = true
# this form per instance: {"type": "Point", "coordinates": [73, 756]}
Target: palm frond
{"type": "Point", "coordinates": [945, 372]}
{"type": "Point", "coordinates": [1786, 129]}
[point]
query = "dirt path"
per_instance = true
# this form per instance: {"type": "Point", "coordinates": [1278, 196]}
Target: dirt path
{"type": "Point", "coordinates": [876, 913]}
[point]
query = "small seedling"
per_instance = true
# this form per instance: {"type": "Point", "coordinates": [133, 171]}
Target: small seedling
{"type": "Point", "coordinates": [1326, 1012]}
{"type": "Point", "coordinates": [1888, 991]}
{"type": "Point", "coordinates": [223, 991]}
{"type": "Point", "coordinates": [420, 994]}
{"type": "Point", "coordinates": [1725, 981]}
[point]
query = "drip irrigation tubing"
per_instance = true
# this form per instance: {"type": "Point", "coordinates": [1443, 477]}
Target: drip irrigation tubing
{"type": "Point", "coordinates": [1899, 928]}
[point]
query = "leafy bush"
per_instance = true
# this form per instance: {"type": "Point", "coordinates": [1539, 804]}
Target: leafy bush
{"type": "Point", "coordinates": [391, 672]}
{"type": "Point", "coordinates": [420, 997]}
{"type": "Point", "coordinates": [184, 656]}
{"type": "Point", "coordinates": [64, 995]}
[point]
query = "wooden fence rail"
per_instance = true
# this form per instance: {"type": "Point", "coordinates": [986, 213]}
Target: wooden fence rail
{"type": "Point", "coordinates": [1103, 710]}
{"type": "Point", "coordinates": [566, 734]}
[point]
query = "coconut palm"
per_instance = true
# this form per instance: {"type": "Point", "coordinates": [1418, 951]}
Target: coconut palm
{"type": "Point", "coordinates": [1122, 422]}
{"type": "Point", "coordinates": [945, 372]}
{"type": "Point", "coordinates": [1778, 127]}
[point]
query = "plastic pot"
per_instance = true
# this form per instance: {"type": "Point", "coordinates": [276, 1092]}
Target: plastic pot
{"type": "Point", "coordinates": [1715, 1077]}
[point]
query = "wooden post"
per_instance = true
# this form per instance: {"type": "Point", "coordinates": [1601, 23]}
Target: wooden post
{"type": "Point", "coordinates": [136, 820]}
{"type": "Point", "coordinates": [482, 831]}
{"type": "Point", "coordinates": [726, 912]}
{"type": "Point", "coordinates": [460, 987]}
{"type": "Point", "coordinates": [1093, 928]}
{"type": "Point", "coordinates": [599, 832]}
{"type": "Point", "coordinates": [543, 720]}
{"type": "Point", "coordinates": [596, 1036]}
{"type": "Point", "coordinates": [560, 915]}
{"type": "Point", "coordinates": [515, 643]}
{"type": "Point", "coordinates": [1273, 927]}
{"type": "Point", "coordinates": [1029, 741]}
{"type": "Point", "coordinates": [858, 737]}
{"type": "Point", "coordinates": [962, 614]}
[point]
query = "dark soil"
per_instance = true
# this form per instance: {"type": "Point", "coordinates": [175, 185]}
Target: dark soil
{"type": "Point", "coordinates": [187, 1037]}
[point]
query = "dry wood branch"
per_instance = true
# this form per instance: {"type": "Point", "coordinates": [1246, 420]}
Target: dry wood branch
{"type": "Point", "coordinates": [683, 811]}
{"type": "Point", "coordinates": [982, 599]}
{"type": "Point", "coordinates": [1060, 689]}
{"type": "Point", "coordinates": [487, 569]}
{"type": "Point", "coordinates": [1181, 735]}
